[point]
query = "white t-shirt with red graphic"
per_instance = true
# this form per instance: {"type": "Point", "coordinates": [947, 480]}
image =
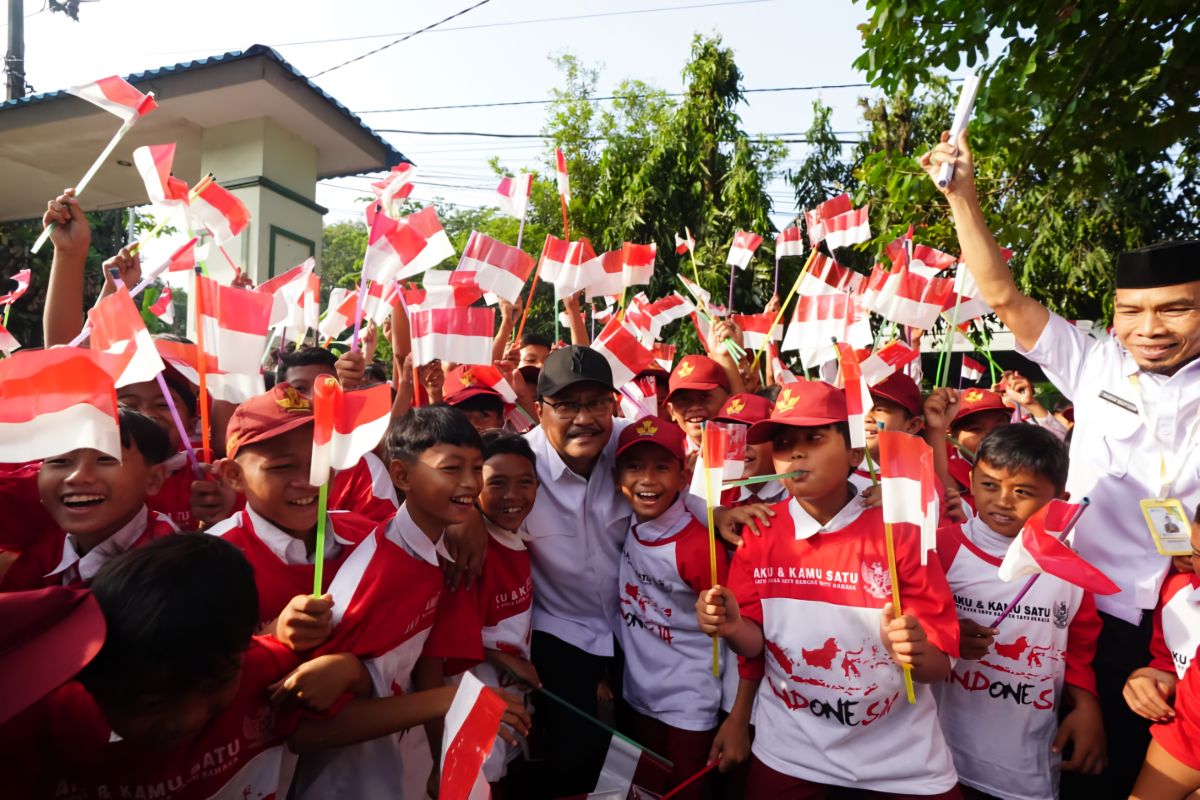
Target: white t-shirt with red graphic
{"type": "Point", "coordinates": [665, 565]}
{"type": "Point", "coordinates": [1000, 713]}
{"type": "Point", "coordinates": [1176, 624]}
{"type": "Point", "coordinates": [831, 708]}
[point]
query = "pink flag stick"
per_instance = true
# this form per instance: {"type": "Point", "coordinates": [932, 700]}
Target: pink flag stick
{"type": "Point", "coordinates": [1062, 537]}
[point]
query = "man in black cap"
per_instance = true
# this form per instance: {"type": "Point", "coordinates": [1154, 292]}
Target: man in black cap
{"type": "Point", "coordinates": [1137, 410]}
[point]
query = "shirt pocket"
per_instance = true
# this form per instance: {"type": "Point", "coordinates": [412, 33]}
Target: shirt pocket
{"type": "Point", "coordinates": [1119, 444]}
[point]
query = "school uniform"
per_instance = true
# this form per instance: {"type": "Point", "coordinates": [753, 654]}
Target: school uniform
{"type": "Point", "coordinates": [831, 708]}
{"type": "Point", "coordinates": [54, 559]}
{"type": "Point", "coordinates": [20, 500]}
{"type": "Point", "coordinates": [365, 489]}
{"type": "Point", "coordinates": [1176, 624]}
{"type": "Point", "coordinates": [174, 499]}
{"type": "Point", "coordinates": [1000, 713]}
{"type": "Point", "coordinates": [282, 567]}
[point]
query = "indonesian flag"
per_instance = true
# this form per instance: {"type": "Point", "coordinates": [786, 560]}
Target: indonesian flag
{"type": "Point", "coordinates": [858, 396]}
{"type": "Point", "coordinates": [722, 458]}
{"type": "Point", "coordinates": [22, 279]}
{"type": "Point", "coordinates": [1038, 549]}
{"type": "Point", "coordinates": [789, 242]}
{"type": "Point", "coordinates": [471, 727]}
{"type": "Point", "coordinates": [826, 276]}
{"type": "Point", "coordinates": [8, 342]}
{"type": "Point", "coordinates": [235, 325]}
{"type": "Point", "coordinates": [624, 353]}
{"type": "Point", "coordinates": [908, 484]}
{"type": "Point", "coordinates": [629, 772]}
{"type": "Point", "coordinates": [154, 163]}
{"type": "Point", "coordinates": [116, 96]}
{"type": "Point", "coordinates": [513, 194]}
{"type": "Point", "coordinates": [966, 297]}
{"type": "Point", "coordinates": [183, 259]}
{"type": "Point", "coordinates": [685, 243]}
{"type": "Point", "coordinates": [816, 322]}
{"type": "Point", "coordinates": [853, 227]}
{"type": "Point", "coordinates": [381, 298]}
{"type": "Point", "coordinates": [491, 377]}
{"type": "Point", "coordinates": [564, 180]}
{"type": "Point", "coordinates": [638, 398]}
{"type": "Point", "coordinates": [346, 425]}
{"type": "Point", "coordinates": [908, 299]}
{"type": "Point", "coordinates": [757, 329]}
{"type": "Point", "coordinates": [742, 249]}
{"type": "Point", "coordinates": [665, 310]}
{"type": "Point", "coordinates": [446, 289]}
{"type": "Point", "coordinates": [815, 220]}
{"type": "Point", "coordinates": [397, 185]}
{"type": "Point", "coordinates": [553, 259]}
{"type": "Point", "coordinates": [163, 307]}
{"type": "Point", "coordinates": [779, 370]}
{"type": "Point", "coordinates": [222, 213]}
{"type": "Point", "coordinates": [343, 303]}
{"type": "Point", "coordinates": [639, 314]}
{"type": "Point", "coordinates": [703, 297]}
{"type": "Point", "coordinates": [233, 388]}
{"type": "Point", "coordinates": [601, 276]}
{"type": "Point", "coordinates": [881, 364]}
{"type": "Point", "coordinates": [971, 369]}
{"type": "Point", "coordinates": [637, 263]}
{"type": "Point", "coordinates": [58, 400]}
{"type": "Point", "coordinates": [286, 291]}
{"type": "Point", "coordinates": [117, 327]}
{"type": "Point", "coordinates": [461, 335]}
{"type": "Point", "coordinates": [569, 280]}
{"type": "Point", "coordinates": [926, 261]}
{"type": "Point", "coordinates": [498, 268]}
{"type": "Point", "coordinates": [401, 248]}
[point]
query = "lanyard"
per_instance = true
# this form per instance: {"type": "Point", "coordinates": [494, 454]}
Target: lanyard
{"type": "Point", "coordinates": [1166, 474]}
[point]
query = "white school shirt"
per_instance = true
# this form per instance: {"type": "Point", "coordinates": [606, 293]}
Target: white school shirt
{"type": "Point", "coordinates": [90, 562]}
{"type": "Point", "coordinates": [288, 548]}
{"type": "Point", "coordinates": [1017, 687]}
{"type": "Point", "coordinates": [1115, 457]}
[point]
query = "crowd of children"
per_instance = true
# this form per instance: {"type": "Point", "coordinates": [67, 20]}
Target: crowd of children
{"type": "Point", "coordinates": [555, 549]}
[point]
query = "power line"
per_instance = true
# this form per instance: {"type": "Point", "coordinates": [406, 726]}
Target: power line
{"type": "Point", "coordinates": [492, 135]}
{"type": "Point", "coordinates": [404, 38]}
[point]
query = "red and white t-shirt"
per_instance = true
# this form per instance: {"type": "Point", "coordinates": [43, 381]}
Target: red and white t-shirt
{"type": "Point", "coordinates": [21, 505]}
{"type": "Point", "coordinates": [390, 607]}
{"type": "Point", "coordinates": [1017, 688]}
{"type": "Point", "coordinates": [366, 489]}
{"type": "Point", "coordinates": [174, 499]}
{"type": "Point", "coordinates": [668, 660]}
{"type": "Point", "coordinates": [770, 492]}
{"type": "Point", "coordinates": [282, 568]}
{"type": "Point", "coordinates": [1181, 736]}
{"type": "Point", "coordinates": [54, 561]}
{"type": "Point", "coordinates": [1176, 624]}
{"type": "Point", "coordinates": [831, 708]}
{"type": "Point", "coordinates": [63, 746]}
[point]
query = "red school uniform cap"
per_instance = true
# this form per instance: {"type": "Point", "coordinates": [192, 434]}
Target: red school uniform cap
{"type": "Point", "coordinates": [745, 408]}
{"type": "Point", "coordinates": [902, 390]}
{"type": "Point", "coordinates": [975, 401]}
{"type": "Point", "coordinates": [462, 384]}
{"type": "Point", "coordinates": [655, 431]}
{"type": "Point", "coordinates": [803, 404]}
{"type": "Point", "coordinates": [697, 372]}
{"type": "Point", "coordinates": [266, 416]}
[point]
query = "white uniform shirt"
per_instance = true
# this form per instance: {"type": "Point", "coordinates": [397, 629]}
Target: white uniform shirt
{"type": "Point", "coordinates": [1115, 457]}
{"type": "Point", "coordinates": [87, 565]}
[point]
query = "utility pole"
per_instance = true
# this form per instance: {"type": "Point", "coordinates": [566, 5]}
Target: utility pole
{"type": "Point", "coordinates": [14, 61]}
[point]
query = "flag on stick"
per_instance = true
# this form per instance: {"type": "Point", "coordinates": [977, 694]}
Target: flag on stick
{"type": "Point", "coordinates": [564, 179]}
{"type": "Point", "coordinates": [154, 164]}
{"type": "Point", "coordinates": [346, 425]}
{"type": "Point", "coordinates": [858, 396]}
{"type": "Point", "coordinates": [624, 353]}
{"type": "Point", "coordinates": [686, 243]}
{"type": "Point", "coordinates": [1038, 550]}
{"type": "Point", "coordinates": [461, 335]}
{"type": "Point", "coordinates": [742, 249]}
{"type": "Point", "coordinates": [235, 324]}
{"type": "Point", "coordinates": [164, 307]}
{"type": "Point", "coordinates": [847, 229]}
{"type": "Point", "coordinates": [498, 268]}
{"type": "Point", "coordinates": [222, 213]}
{"type": "Point", "coordinates": [815, 220]}
{"type": "Point", "coordinates": [971, 370]}
{"type": "Point", "coordinates": [22, 279]}
{"type": "Point", "coordinates": [886, 360]}
{"type": "Point", "coordinates": [471, 727]}
{"type": "Point", "coordinates": [513, 194]}
{"type": "Point", "coordinates": [117, 327]}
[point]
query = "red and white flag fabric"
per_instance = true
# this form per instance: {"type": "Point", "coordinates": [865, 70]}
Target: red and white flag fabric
{"type": "Point", "coordinates": [971, 370]}
{"type": "Point", "coordinates": [512, 195]}
{"type": "Point", "coordinates": [183, 259]}
{"type": "Point", "coordinates": [742, 249]}
{"type": "Point", "coordinates": [638, 398]}
{"type": "Point", "coordinates": [570, 277]}
{"type": "Point", "coordinates": [964, 303]}
{"type": "Point", "coordinates": [236, 323]}
{"type": "Point", "coordinates": [461, 335]}
{"type": "Point", "coordinates": [685, 243]}
{"type": "Point", "coordinates": [448, 289]}
{"type": "Point", "coordinates": [564, 179]}
{"type": "Point", "coordinates": [779, 370]}
{"type": "Point", "coordinates": [637, 263]}
{"type": "Point", "coordinates": [379, 301]}
{"type": "Point", "coordinates": [757, 329]}
{"type": "Point", "coordinates": [340, 312]}
{"type": "Point", "coordinates": [817, 321]}
{"type": "Point", "coordinates": [702, 295]}
{"type": "Point", "coordinates": [858, 396]}
{"type": "Point", "coordinates": [908, 485]}
{"type": "Point", "coordinates": [346, 425]}
{"type": "Point", "coordinates": [8, 342]}
{"type": "Point", "coordinates": [908, 299]}
{"type": "Point", "coordinates": [22, 279]}
{"type": "Point", "coordinates": [664, 354]}
{"type": "Point", "coordinates": [601, 276]}
{"type": "Point", "coordinates": [116, 327]}
{"type": "Point", "coordinates": [1037, 549]}
{"type": "Point", "coordinates": [287, 293]}
{"type": "Point", "coordinates": [625, 354]}
{"type": "Point", "coordinates": [886, 360]}
{"type": "Point", "coordinates": [497, 267]}
{"type": "Point", "coordinates": [488, 375]}
{"type": "Point", "coordinates": [154, 164]}
{"type": "Point", "coordinates": [400, 248]}
{"type": "Point", "coordinates": [116, 96]}
{"type": "Point", "coordinates": [164, 307]}
{"type": "Point", "coordinates": [396, 185]}
{"type": "Point", "coordinates": [815, 220]}
{"type": "Point", "coordinates": [665, 310]}
{"type": "Point", "coordinates": [230, 387]}
{"type": "Point", "coordinates": [222, 213]}
{"type": "Point", "coordinates": [58, 400]}
{"type": "Point", "coordinates": [826, 276]}
{"type": "Point", "coordinates": [789, 242]}
{"type": "Point", "coordinates": [471, 727]}
{"type": "Point", "coordinates": [853, 227]}
{"type": "Point", "coordinates": [722, 458]}
{"type": "Point", "coordinates": [926, 261]}
{"type": "Point", "coordinates": [553, 259]}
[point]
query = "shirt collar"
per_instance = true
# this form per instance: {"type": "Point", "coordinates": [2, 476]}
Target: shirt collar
{"type": "Point", "coordinates": [404, 532]}
{"type": "Point", "coordinates": [806, 526]}
{"type": "Point", "coordinates": [89, 563]}
{"type": "Point", "coordinates": [668, 524]}
{"type": "Point", "coordinates": [513, 540]}
{"type": "Point", "coordinates": [288, 548]}
{"type": "Point", "coordinates": [769, 492]}
{"type": "Point", "coordinates": [558, 467]}
{"type": "Point", "coordinates": [982, 536]}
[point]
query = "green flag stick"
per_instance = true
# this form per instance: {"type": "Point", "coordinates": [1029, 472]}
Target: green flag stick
{"type": "Point", "coordinates": [319, 546]}
{"type": "Point", "coordinates": [760, 479]}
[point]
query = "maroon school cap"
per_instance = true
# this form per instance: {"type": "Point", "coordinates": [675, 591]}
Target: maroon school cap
{"type": "Point", "coordinates": [271, 414]}
{"type": "Point", "coordinates": [462, 384]}
{"type": "Point", "coordinates": [803, 404]}
{"type": "Point", "coordinates": [697, 372]}
{"type": "Point", "coordinates": [745, 408]}
{"type": "Point", "coordinates": [655, 431]}
{"type": "Point", "coordinates": [902, 390]}
{"type": "Point", "coordinates": [975, 401]}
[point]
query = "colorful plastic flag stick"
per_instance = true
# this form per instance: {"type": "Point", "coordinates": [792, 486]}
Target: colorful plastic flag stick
{"type": "Point", "coordinates": [1062, 537]}
{"type": "Point", "coordinates": [943, 369]}
{"type": "Point", "coordinates": [712, 449]}
{"type": "Point", "coordinates": [962, 115]}
{"type": "Point", "coordinates": [783, 307]}
{"type": "Point", "coordinates": [202, 363]}
{"type": "Point", "coordinates": [760, 479]}
{"type": "Point", "coordinates": [319, 545]}
{"type": "Point", "coordinates": [707, 769]}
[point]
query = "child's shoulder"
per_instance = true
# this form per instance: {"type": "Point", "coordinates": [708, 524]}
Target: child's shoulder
{"type": "Point", "coordinates": [351, 526]}
{"type": "Point", "coordinates": [35, 562]}
{"type": "Point", "coordinates": [1177, 582]}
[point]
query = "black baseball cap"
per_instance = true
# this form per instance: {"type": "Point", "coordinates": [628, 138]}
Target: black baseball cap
{"type": "Point", "coordinates": [568, 366]}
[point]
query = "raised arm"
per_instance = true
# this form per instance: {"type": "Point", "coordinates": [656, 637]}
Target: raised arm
{"type": "Point", "coordinates": [71, 236]}
{"type": "Point", "coordinates": [1023, 315]}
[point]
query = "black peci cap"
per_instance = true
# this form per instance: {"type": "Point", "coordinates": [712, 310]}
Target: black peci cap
{"type": "Point", "coordinates": [568, 366]}
{"type": "Point", "coordinates": [1162, 264]}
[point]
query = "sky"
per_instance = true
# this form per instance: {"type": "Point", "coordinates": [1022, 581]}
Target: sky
{"type": "Point", "coordinates": [498, 52]}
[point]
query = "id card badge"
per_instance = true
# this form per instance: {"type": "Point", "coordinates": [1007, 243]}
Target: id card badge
{"type": "Point", "coordinates": [1169, 526]}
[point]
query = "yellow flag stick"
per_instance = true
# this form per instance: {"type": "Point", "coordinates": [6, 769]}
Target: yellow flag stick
{"type": "Point", "coordinates": [782, 308]}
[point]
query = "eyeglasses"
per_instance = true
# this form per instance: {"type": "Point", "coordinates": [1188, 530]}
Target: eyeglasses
{"type": "Point", "coordinates": [567, 410]}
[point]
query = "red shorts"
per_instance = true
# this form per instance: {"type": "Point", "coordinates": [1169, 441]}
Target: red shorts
{"type": "Point", "coordinates": [766, 782]}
